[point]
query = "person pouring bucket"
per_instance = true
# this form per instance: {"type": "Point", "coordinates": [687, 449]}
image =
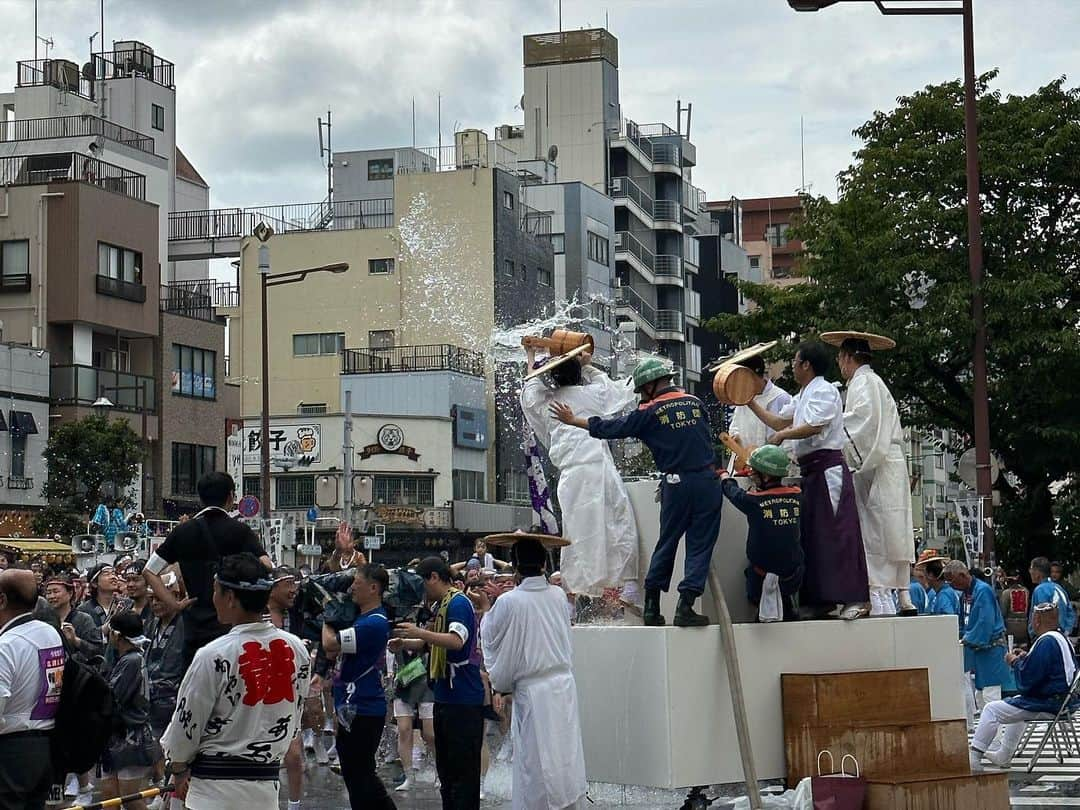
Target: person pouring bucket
{"type": "Point", "coordinates": [674, 426]}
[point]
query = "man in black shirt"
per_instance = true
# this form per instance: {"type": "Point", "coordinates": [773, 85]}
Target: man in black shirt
{"type": "Point", "coordinates": [198, 545]}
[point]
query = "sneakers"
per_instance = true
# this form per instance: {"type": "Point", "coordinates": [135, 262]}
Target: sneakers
{"type": "Point", "coordinates": [854, 610]}
{"type": "Point", "coordinates": [331, 753]}
{"type": "Point", "coordinates": [685, 615]}
{"type": "Point", "coordinates": [309, 740]}
{"type": "Point", "coordinates": [651, 614]}
{"type": "Point", "coordinates": [406, 784]}
{"type": "Point", "coordinates": [975, 760]}
{"type": "Point", "coordinates": [321, 754]}
{"type": "Point", "coordinates": [999, 758]}
{"type": "Point", "coordinates": [72, 787]}
{"type": "Point", "coordinates": [85, 797]}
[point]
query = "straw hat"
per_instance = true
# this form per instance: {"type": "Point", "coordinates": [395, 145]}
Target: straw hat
{"type": "Point", "coordinates": [557, 361]}
{"type": "Point", "coordinates": [930, 555]}
{"type": "Point", "coordinates": [507, 539]}
{"type": "Point", "coordinates": [876, 343]}
{"type": "Point", "coordinates": [741, 355]}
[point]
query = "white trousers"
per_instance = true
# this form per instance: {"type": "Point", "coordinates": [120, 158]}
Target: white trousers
{"type": "Point", "coordinates": [995, 715]}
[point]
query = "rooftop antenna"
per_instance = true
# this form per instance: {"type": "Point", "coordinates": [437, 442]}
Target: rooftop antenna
{"type": "Point", "coordinates": [35, 30]}
{"type": "Point", "coordinates": [438, 116]}
{"type": "Point", "coordinates": [327, 150]}
{"type": "Point", "coordinates": [414, 122]}
{"type": "Point", "coordinates": [103, 25]}
{"type": "Point", "coordinates": [560, 16]}
{"type": "Point", "coordinates": [48, 43]}
{"type": "Point", "coordinates": [802, 155]}
{"type": "Point", "coordinates": [93, 36]}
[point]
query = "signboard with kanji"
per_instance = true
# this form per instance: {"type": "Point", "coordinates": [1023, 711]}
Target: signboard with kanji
{"type": "Point", "coordinates": [291, 443]}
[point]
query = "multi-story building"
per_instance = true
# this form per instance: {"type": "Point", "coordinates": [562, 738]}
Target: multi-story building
{"type": "Point", "coordinates": [762, 225]}
{"type": "Point", "coordinates": [573, 118]}
{"type": "Point", "coordinates": [24, 433]}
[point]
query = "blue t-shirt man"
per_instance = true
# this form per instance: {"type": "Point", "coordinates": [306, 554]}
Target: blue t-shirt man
{"type": "Point", "coordinates": [358, 689]}
{"type": "Point", "coordinates": [461, 683]}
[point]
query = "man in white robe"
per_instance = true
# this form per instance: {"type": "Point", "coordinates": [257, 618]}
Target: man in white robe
{"type": "Point", "coordinates": [527, 654]}
{"type": "Point", "coordinates": [874, 451]}
{"type": "Point", "coordinates": [240, 703]}
{"type": "Point", "coordinates": [595, 506]}
{"type": "Point", "coordinates": [747, 428]}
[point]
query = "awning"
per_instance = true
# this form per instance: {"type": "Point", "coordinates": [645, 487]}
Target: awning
{"type": "Point", "coordinates": [34, 545]}
{"type": "Point", "coordinates": [22, 423]}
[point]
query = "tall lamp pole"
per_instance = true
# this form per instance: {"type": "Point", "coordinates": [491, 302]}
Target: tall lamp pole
{"type": "Point", "coordinates": [263, 232]}
{"type": "Point", "coordinates": [980, 396]}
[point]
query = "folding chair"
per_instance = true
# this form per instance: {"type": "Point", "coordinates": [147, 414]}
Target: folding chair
{"type": "Point", "coordinates": [1060, 730]}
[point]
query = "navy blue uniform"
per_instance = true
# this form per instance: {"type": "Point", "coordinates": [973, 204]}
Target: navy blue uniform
{"type": "Point", "coordinates": [772, 538]}
{"type": "Point", "coordinates": [675, 428]}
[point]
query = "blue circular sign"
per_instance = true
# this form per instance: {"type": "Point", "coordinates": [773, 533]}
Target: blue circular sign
{"type": "Point", "coordinates": [312, 514]}
{"type": "Point", "coordinates": [249, 506]}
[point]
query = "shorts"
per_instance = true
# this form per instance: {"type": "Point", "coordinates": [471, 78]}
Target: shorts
{"type": "Point", "coordinates": [403, 709]}
{"type": "Point", "coordinates": [131, 773]}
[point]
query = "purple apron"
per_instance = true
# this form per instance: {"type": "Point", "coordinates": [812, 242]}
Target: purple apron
{"type": "Point", "coordinates": [832, 542]}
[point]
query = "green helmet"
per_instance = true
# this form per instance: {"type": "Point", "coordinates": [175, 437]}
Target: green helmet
{"type": "Point", "coordinates": [650, 369]}
{"type": "Point", "coordinates": [769, 460]}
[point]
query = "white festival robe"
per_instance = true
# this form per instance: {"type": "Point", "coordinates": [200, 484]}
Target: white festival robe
{"type": "Point", "coordinates": [242, 696]}
{"type": "Point", "coordinates": [595, 505]}
{"type": "Point", "coordinates": [747, 428]}
{"type": "Point", "coordinates": [527, 652]}
{"type": "Point", "coordinates": [875, 453]}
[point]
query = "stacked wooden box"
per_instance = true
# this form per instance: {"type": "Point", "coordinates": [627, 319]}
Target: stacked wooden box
{"type": "Point", "coordinates": [882, 717]}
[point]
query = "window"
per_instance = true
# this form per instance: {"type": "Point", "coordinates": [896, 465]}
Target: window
{"type": "Point", "coordinates": [515, 487]}
{"type": "Point", "coordinates": [318, 343]}
{"type": "Point", "coordinates": [941, 527]}
{"type": "Point", "coordinates": [18, 454]}
{"type": "Point", "coordinates": [380, 339]}
{"type": "Point", "coordinates": [311, 409]}
{"type": "Point", "coordinates": [468, 485]}
{"type": "Point", "coordinates": [940, 493]}
{"type": "Point", "coordinates": [294, 491]}
{"type": "Point", "coordinates": [939, 461]}
{"type": "Point", "coordinates": [777, 235]}
{"type": "Point", "coordinates": [380, 169]}
{"type": "Point", "coordinates": [558, 242]}
{"type": "Point", "coordinates": [598, 248]}
{"type": "Point", "coordinates": [508, 200]}
{"type": "Point", "coordinates": [157, 117]}
{"type": "Point", "coordinates": [189, 463]}
{"type": "Point", "coordinates": [380, 267]}
{"type": "Point", "coordinates": [543, 276]}
{"type": "Point", "coordinates": [252, 486]}
{"type": "Point", "coordinates": [755, 262]}
{"type": "Point", "coordinates": [508, 267]}
{"type": "Point", "coordinates": [194, 372]}
{"type": "Point", "coordinates": [119, 263]}
{"type": "Point", "coordinates": [404, 490]}
{"type": "Point", "coordinates": [15, 265]}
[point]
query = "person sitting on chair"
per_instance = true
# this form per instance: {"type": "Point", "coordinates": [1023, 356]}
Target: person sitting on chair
{"type": "Point", "coordinates": [1044, 676]}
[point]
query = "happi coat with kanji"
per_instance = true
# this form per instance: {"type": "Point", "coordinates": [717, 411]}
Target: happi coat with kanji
{"type": "Point", "coordinates": [237, 711]}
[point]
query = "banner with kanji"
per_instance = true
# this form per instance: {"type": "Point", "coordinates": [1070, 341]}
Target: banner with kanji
{"type": "Point", "coordinates": [969, 513]}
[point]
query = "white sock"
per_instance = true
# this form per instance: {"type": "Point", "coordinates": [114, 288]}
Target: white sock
{"type": "Point", "coordinates": [905, 599]}
{"type": "Point", "coordinates": [294, 805]}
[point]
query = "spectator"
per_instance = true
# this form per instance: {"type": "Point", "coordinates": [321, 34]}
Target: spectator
{"type": "Point", "coordinates": [31, 670]}
{"type": "Point", "coordinates": [413, 699]}
{"type": "Point", "coordinates": [240, 702]}
{"type": "Point", "coordinates": [1057, 575]}
{"type": "Point", "coordinates": [198, 546]}
{"type": "Point", "coordinates": [132, 750]}
{"type": "Point", "coordinates": [164, 662]}
{"type": "Point", "coordinates": [1046, 590]}
{"type": "Point", "coordinates": [136, 590]}
{"type": "Point", "coordinates": [81, 635]}
{"type": "Point", "coordinates": [359, 698]}
{"type": "Point", "coordinates": [102, 603]}
{"type": "Point", "coordinates": [458, 689]}
{"type": "Point", "coordinates": [983, 635]}
{"type": "Point", "coordinates": [483, 557]}
{"type": "Point", "coordinates": [6, 560]}
{"type": "Point", "coordinates": [280, 613]}
{"type": "Point", "coordinates": [1015, 606]}
{"type": "Point", "coordinates": [345, 554]}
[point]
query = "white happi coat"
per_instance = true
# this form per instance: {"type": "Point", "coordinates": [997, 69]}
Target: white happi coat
{"type": "Point", "coordinates": [242, 697]}
{"type": "Point", "coordinates": [595, 506]}
{"type": "Point", "coordinates": [875, 453]}
{"type": "Point", "coordinates": [527, 651]}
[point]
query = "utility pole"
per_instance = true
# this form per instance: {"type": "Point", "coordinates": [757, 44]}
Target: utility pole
{"type": "Point", "coordinates": [347, 450]}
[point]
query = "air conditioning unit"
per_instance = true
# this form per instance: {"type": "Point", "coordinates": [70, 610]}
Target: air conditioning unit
{"type": "Point", "coordinates": [133, 56]}
{"type": "Point", "coordinates": [471, 148]}
{"type": "Point", "coordinates": [62, 73]}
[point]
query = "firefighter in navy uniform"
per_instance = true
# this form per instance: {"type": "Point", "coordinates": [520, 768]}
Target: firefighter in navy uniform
{"type": "Point", "coordinates": [772, 518]}
{"type": "Point", "coordinates": [674, 426]}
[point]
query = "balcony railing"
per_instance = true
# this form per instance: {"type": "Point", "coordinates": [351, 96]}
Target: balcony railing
{"type": "Point", "coordinates": [198, 298]}
{"type": "Point", "coordinates": [19, 482]}
{"type": "Point", "coordinates": [235, 223]}
{"type": "Point", "coordinates": [693, 198]}
{"type": "Point", "coordinates": [669, 320]}
{"type": "Point", "coordinates": [82, 385]}
{"type": "Point", "coordinates": [133, 62]}
{"type": "Point", "coordinates": [15, 283]}
{"type": "Point", "coordinates": [627, 242]}
{"type": "Point", "coordinates": [693, 304]}
{"type": "Point", "coordinates": [666, 211]}
{"type": "Point", "coordinates": [436, 357]}
{"type": "Point", "coordinates": [70, 167]}
{"type": "Point", "coordinates": [625, 188]}
{"type": "Point", "coordinates": [625, 296]}
{"type": "Point", "coordinates": [642, 136]}
{"type": "Point", "coordinates": [656, 130]}
{"type": "Point", "coordinates": [668, 265]}
{"type": "Point", "coordinates": [118, 288]}
{"type": "Point", "coordinates": [538, 223]}
{"type": "Point", "coordinates": [73, 126]}
{"type": "Point", "coordinates": [59, 73]}
{"type": "Point", "coordinates": [665, 153]}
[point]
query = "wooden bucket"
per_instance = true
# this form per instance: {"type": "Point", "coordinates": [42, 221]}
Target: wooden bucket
{"type": "Point", "coordinates": [560, 341]}
{"type": "Point", "coordinates": [734, 384]}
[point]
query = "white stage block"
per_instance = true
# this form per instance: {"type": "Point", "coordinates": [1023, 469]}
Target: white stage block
{"type": "Point", "coordinates": [655, 703]}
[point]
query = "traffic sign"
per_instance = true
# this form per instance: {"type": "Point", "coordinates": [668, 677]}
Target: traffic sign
{"type": "Point", "coordinates": [314, 550]}
{"type": "Point", "coordinates": [312, 514]}
{"type": "Point", "coordinates": [249, 506]}
{"type": "Point", "coordinates": [373, 543]}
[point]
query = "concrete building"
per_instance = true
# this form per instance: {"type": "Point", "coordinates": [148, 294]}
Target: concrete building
{"type": "Point", "coordinates": [762, 226]}
{"type": "Point", "coordinates": [573, 118]}
{"type": "Point", "coordinates": [24, 413]}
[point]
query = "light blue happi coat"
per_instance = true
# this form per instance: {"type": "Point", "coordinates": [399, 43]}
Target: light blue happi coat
{"type": "Point", "coordinates": [984, 638]}
{"type": "Point", "coordinates": [1050, 592]}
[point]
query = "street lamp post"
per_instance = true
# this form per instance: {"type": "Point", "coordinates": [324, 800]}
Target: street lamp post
{"type": "Point", "coordinates": [103, 404]}
{"type": "Point", "coordinates": [263, 232]}
{"type": "Point", "coordinates": [980, 396]}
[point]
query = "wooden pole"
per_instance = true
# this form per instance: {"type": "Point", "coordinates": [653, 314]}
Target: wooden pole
{"type": "Point", "coordinates": [738, 703]}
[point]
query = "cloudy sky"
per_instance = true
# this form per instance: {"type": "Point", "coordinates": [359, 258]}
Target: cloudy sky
{"type": "Point", "coordinates": [253, 75]}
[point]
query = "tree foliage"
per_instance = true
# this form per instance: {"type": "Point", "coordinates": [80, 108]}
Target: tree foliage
{"type": "Point", "coordinates": [84, 458]}
{"type": "Point", "coordinates": [891, 256]}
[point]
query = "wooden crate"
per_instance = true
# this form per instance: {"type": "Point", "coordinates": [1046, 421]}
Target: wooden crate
{"type": "Point", "coordinates": [977, 791]}
{"type": "Point", "coordinates": [884, 752]}
{"type": "Point", "coordinates": [850, 699]}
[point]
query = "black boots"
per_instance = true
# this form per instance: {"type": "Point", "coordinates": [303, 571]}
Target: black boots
{"type": "Point", "coordinates": [651, 615]}
{"type": "Point", "coordinates": [685, 615]}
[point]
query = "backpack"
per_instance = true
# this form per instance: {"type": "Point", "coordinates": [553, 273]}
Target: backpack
{"type": "Point", "coordinates": [84, 719]}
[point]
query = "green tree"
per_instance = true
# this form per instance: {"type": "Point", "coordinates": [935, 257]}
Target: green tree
{"type": "Point", "coordinates": [891, 256]}
{"type": "Point", "coordinates": [84, 457]}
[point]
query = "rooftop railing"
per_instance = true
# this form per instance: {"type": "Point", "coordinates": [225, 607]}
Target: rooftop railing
{"type": "Point", "coordinates": [59, 73]}
{"type": "Point", "coordinates": [73, 126]}
{"type": "Point", "coordinates": [70, 167]}
{"type": "Point", "coordinates": [434, 357]}
{"type": "Point", "coordinates": [198, 298]}
{"type": "Point", "coordinates": [477, 153]}
{"type": "Point", "coordinates": [123, 64]}
{"type": "Point", "coordinates": [538, 223]}
{"type": "Point", "coordinates": [233, 223]}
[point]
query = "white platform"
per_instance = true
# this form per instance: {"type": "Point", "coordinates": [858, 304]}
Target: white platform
{"type": "Point", "coordinates": [655, 704]}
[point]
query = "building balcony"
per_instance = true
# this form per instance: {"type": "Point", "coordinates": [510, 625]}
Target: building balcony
{"type": "Point", "coordinates": [70, 167]}
{"type": "Point", "coordinates": [671, 321]}
{"type": "Point", "coordinates": [667, 214]}
{"type": "Point", "coordinates": [693, 307]}
{"type": "Point", "coordinates": [82, 385]}
{"type": "Point", "coordinates": [118, 288]}
{"type": "Point", "coordinates": [136, 60]}
{"type": "Point", "coordinates": [668, 268]}
{"type": "Point", "coordinates": [73, 126]}
{"type": "Point", "coordinates": [625, 190]}
{"type": "Point", "coordinates": [62, 74]}
{"type": "Point", "coordinates": [18, 283]}
{"type": "Point", "coordinates": [236, 223]}
{"type": "Point", "coordinates": [19, 482]}
{"type": "Point", "coordinates": [630, 249]}
{"type": "Point", "coordinates": [407, 359]}
{"type": "Point", "coordinates": [537, 223]}
{"type": "Point", "coordinates": [198, 299]}
{"type": "Point", "coordinates": [665, 156]}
